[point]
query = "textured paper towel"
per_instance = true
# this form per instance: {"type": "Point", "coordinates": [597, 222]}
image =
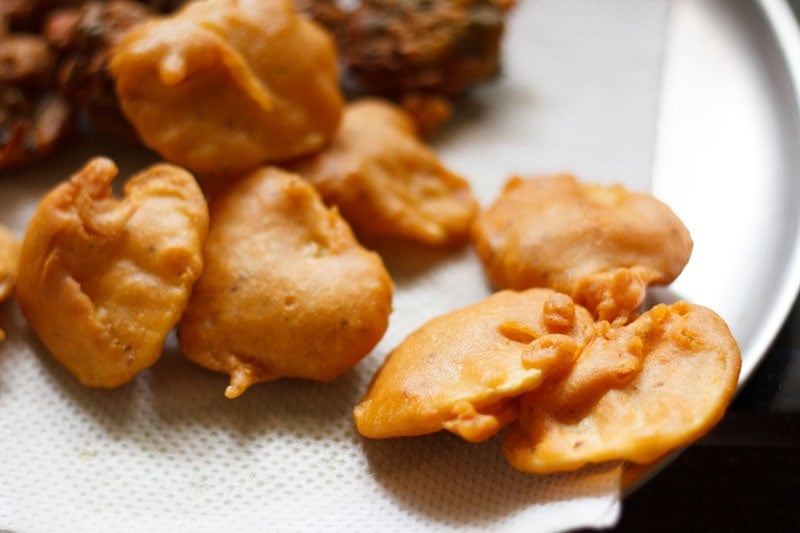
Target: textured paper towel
{"type": "Point", "coordinates": [169, 452]}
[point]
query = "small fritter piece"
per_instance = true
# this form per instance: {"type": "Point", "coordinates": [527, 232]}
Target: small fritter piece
{"type": "Point", "coordinates": [423, 48]}
{"type": "Point", "coordinates": [287, 290]}
{"type": "Point", "coordinates": [222, 86]}
{"type": "Point", "coordinates": [635, 393]}
{"type": "Point", "coordinates": [83, 37]}
{"type": "Point", "coordinates": [463, 371]}
{"type": "Point", "coordinates": [386, 182]}
{"type": "Point", "coordinates": [9, 261]}
{"type": "Point", "coordinates": [34, 119]}
{"type": "Point", "coordinates": [106, 279]}
{"type": "Point", "coordinates": [601, 245]}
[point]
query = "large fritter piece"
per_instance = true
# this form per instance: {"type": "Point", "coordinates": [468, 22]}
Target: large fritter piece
{"type": "Point", "coordinates": [106, 279]}
{"type": "Point", "coordinates": [222, 86]}
{"type": "Point", "coordinates": [635, 393]}
{"type": "Point", "coordinates": [601, 245]}
{"type": "Point", "coordinates": [463, 371]}
{"type": "Point", "coordinates": [287, 290]}
{"type": "Point", "coordinates": [386, 182]}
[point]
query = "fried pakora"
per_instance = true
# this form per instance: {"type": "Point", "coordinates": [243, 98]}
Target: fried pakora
{"type": "Point", "coordinates": [106, 279]}
{"type": "Point", "coordinates": [34, 118]}
{"type": "Point", "coordinates": [601, 245]}
{"type": "Point", "coordinates": [287, 290]}
{"type": "Point", "coordinates": [386, 182]}
{"type": "Point", "coordinates": [222, 86]}
{"type": "Point", "coordinates": [463, 370]}
{"type": "Point", "coordinates": [635, 393]}
{"type": "Point", "coordinates": [83, 37]}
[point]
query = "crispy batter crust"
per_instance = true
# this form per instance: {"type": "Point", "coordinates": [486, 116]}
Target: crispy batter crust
{"type": "Point", "coordinates": [635, 393]}
{"type": "Point", "coordinates": [386, 182]}
{"type": "Point", "coordinates": [106, 279]}
{"type": "Point", "coordinates": [462, 371]}
{"type": "Point", "coordinates": [601, 245]}
{"type": "Point", "coordinates": [287, 290]}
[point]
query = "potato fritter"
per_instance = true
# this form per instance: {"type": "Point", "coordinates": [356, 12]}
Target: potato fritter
{"type": "Point", "coordinates": [462, 371]}
{"type": "Point", "coordinates": [635, 393]}
{"type": "Point", "coordinates": [105, 278]}
{"type": "Point", "coordinates": [386, 182]}
{"type": "Point", "coordinates": [222, 86]}
{"type": "Point", "coordinates": [287, 290]}
{"type": "Point", "coordinates": [601, 245]}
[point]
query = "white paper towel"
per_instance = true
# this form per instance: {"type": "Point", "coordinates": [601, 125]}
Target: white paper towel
{"type": "Point", "coordinates": [168, 452]}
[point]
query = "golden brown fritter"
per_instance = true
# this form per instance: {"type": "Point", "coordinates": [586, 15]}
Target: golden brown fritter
{"type": "Point", "coordinates": [601, 245]}
{"type": "Point", "coordinates": [386, 182]}
{"type": "Point", "coordinates": [635, 393]}
{"type": "Point", "coordinates": [463, 370]}
{"type": "Point", "coordinates": [287, 290]}
{"type": "Point", "coordinates": [106, 279]}
{"type": "Point", "coordinates": [222, 86]}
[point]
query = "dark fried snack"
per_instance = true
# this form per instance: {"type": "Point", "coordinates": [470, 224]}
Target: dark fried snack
{"type": "Point", "coordinates": [601, 245]}
{"type": "Point", "coordinates": [287, 291]}
{"type": "Point", "coordinates": [84, 37]}
{"type": "Point", "coordinates": [423, 49]}
{"type": "Point", "coordinates": [34, 119]}
{"type": "Point", "coordinates": [635, 393]}
{"type": "Point", "coordinates": [29, 15]}
{"type": "Point", "coordinates": [462, 371]}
